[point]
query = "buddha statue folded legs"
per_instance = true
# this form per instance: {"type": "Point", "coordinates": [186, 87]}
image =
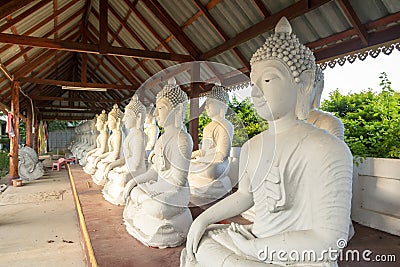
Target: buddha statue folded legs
{"type": "Point", "coordinates": [103, 163]}
{"type": "Point", "coordinates": [156, 211]}
{"type": "Point", "coordinates": [298, 177]}
{"type": "Point", "coordinates": [133, 161]}
{"type": "Point", "coordinates": [208, 174]}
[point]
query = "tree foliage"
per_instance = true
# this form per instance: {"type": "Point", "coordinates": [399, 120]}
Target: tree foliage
{"type": "Point", "coordinates": [371, 120]}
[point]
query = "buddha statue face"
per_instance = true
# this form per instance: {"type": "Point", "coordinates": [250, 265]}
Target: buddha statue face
{"type": "Point", "coordinates": [99, 124]}
{"type": "Point", "coordinates": [275, 91]}
{"type": "Point", "coordinates": [214, 107]}
{"type": "Point", "coordinates": [164, 112]}
{"type": "Point", "coordinates": [130, 119]}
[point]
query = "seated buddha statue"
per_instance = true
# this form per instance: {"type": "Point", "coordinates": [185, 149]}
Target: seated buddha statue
{"type": "Point", "coordinates": [319, 118]}
{"type": "Point", "coordinates": [209, 166]}
{"type": "Point", "coordinates": [297, 176]}
{"type": "Point", "coordinates": [103, 162]}
{"type": "Point", "coordinates": [94, 133]}
{"type": "Point", "coordinates": [150, 129]}
{"type": "Point", "coordinates": [156, 211]}
{"type": "Point", "coordinates": [133, 161]}
{"type": "Point", "coordinates": [101, 144]}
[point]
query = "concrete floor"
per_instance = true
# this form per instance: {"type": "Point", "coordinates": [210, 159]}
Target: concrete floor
{"type": "Point", "coordinates": [38, 224]}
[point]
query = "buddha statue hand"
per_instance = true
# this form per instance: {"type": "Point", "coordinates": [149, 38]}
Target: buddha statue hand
{"type": "Point", "coordinates": [243, 239]}
{"type": "Point", "coordinates": [194, 235]}
{"type": "Point", "coordinates": [128, 188]}
{"type": "Point", "coordinates": [196, 154]}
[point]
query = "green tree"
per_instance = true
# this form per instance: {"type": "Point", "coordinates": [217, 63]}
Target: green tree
{"type": "Point", "coordinates": [371, 120]}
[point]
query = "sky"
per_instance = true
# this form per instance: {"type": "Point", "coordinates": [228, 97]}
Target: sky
{"type": "Point", "coordinates": [361, 75]}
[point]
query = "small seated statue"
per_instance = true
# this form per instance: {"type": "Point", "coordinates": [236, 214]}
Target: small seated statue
{"type": "Point", "coordinates": [297, 176]}
{"type": "Point", "coordinates": [133, 162]}
{"type": "Point", "coordinates": [92, 135]}
{"type": "Point", "coordinates": [101, 144]}
{"type": "Point", "coordinates": [156, 211]}
{"type": "Point", "coordinates": [209, 166]}
{"type": "Point", "coordinates": [150, 129]}
{"type": "Point", "coordinates": [319, 118]}
{"type": "Point", "coordinates": [103, 162]}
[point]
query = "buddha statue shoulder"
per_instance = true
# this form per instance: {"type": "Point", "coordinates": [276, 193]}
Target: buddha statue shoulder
{"type": "Point", "coordinates": [298, 177]}
{"type": "Point", "coordinates": [209, 166]}
{"type": "Point", "coordinates": [103, 162]}
{"type": "Point", "coordinates": [133, 161]}
{"type": "Point", "coordinates": [156, 211]}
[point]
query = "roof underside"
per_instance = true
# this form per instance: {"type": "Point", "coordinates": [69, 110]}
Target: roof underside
{"type": "Point", "coordinates": [120, 44]}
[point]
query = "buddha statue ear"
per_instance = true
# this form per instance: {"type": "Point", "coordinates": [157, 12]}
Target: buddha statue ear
{"type": "Point", "coordinates": [319, 87]}
{"type": "Point", "coordinates": [178, 115]}
{"type": "Point", "coordinates": [304, 94]}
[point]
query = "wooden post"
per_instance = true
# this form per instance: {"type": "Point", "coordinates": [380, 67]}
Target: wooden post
{"type": "Point", "coordinates": [36, 133]}
{"type": "Point", "coordinates": [194, 105]}
{"type": "Point", "coordinates": [14, 140]}
{"type": "Point", "coordinates": [28, 138]}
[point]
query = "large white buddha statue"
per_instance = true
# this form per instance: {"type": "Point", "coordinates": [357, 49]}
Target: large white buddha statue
{"type": "Point", "coordinates": [103, 162]}
{"type": "Point", "coordinates": [101, 143]}
{"type": "Point", "coordinates": [156, 211]}
{"type": "Point", "coordinates": [133, 161]}
{"type": "Point", "coordinates": [319, 118]}
{"type": "Point", "coordinates": [297, 176]}
{"type": "Point", "coordinates": [209, 166]}
{"type": "Point", "coordinates": [150, 129]}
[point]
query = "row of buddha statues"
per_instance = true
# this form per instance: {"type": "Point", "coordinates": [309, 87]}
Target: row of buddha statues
{"type": "Point", "coordinates": [294, 178]}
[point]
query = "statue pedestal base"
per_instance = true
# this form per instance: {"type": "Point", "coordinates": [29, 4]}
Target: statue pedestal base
{"type": "Point", "coordinates": [114, 188]}
{"type": "Point", "coordinates": [206, 190]}
{"type": "Point", "coordinates": [99, 177]}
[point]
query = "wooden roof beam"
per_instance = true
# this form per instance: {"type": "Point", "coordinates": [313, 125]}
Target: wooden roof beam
{"type": "Point", "coordinates": [8, 7]}
{"type": "Point", "coordinates": [75, 84]}
{"type": "Point", "coordinates": [162, 15]}
{"type": "Point", "coordinates": [86, 100]}
{"type": "Point", "coordinates": [72, 46]}
{"type": "Point", "coordinates": [354, 20]}
{"type": "Point", "coordinates": [103, 22]}
{"type": "Point", "coordinates": [221, 32]}
{"type": "Point", "coordinates": [262, 8]}
{"type": "Point", "coordinates": [293, 11]}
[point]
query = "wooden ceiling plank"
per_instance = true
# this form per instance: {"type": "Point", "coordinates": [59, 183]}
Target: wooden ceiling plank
{"type": "Point", "coordinates": [163, 16]}
{"type": "Point", "coordinates": [8, 7]}
{"type": "Point", "coordinates": [293, 11]}
{"type": "Point", "coordinates": [354, 20]}
{"type": "Point", "coordinates": [103, 22]}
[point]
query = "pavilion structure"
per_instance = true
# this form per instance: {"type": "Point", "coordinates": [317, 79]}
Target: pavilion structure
{"type": "Point", "coordinates": [49, 47]}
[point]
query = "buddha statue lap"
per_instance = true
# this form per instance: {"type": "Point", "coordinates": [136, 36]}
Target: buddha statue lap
{"type": "Point", "coordinates": [297, 176]}
{"type": "Point", "coordinates": [101, 144]}
{"type": "Point", "coordinates": [103, 163]}
{"type": "Point", "coordinates": [156, 211]}
{"type": "Point", "coordinates": [133, 162]}
{"type": "Point", "coordinates": [209, 166]}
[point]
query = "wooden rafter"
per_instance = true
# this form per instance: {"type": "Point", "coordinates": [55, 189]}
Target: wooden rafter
{"type": "Point", "coordinates": [262, 8]}
{"type": "Point", "coordinates": [293, 11]}
{"type": "Point", "coordinates": [354, 20]}
{"type": "Point", "coordinates": [173, 27]}
{"type": "Point", "coordinates": [14, 31]}
{"type": "Point", "coordinates": [8, 7]}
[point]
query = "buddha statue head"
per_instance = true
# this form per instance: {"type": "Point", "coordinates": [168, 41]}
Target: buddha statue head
{"type": "Point", "coordinates": [114, 118]}
{"type": "Point", "coordinates": [171, 104]}
{"type": "Point", "coordinates": [101, 122]}
{"type": "Point", "coordinates": [135, 113]}
{"type": "Point", "coordinates": [283, 72]}
{"type": "Point", "coordinates": [93, 126]}
{"type": "Point", "coordinates": [217, 101]}
{"type": "Point", "coordinates": [318, 88]}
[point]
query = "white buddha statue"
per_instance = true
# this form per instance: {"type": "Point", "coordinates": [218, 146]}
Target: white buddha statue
{"type": "Point", "coordinates": [133, 162]}
{"type": "Point", "coordinates": [297, 176]}
{"type": "Point", "coordinates": [103, 162]}
{"type": "Point", "coordinates": [94, 133]}
{"type": "Point", "coordinates": [151, 129]}
{"type": "Point", "coordinates": [209, 166]}
{"type": "Point", "coordinates": [319, 118]}
{"type": "Point", "coordinates": [101, 144]}
{"type": "Point", "coordinates": [156, 211]}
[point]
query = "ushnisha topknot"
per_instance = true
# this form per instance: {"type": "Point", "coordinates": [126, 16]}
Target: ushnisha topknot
{"type": "Point", "coordinates": [136, 106]}
{"type": "Point", "coordinates": [285, 46]}
{"type": "Point", "coordinates": [103, 116]}
{"type": "Point", "coordinates": [172, 93]}
{"type": "Point", "coordinates": [116, 113]}
{"type": "Point", "coordinates": [219, 93]}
